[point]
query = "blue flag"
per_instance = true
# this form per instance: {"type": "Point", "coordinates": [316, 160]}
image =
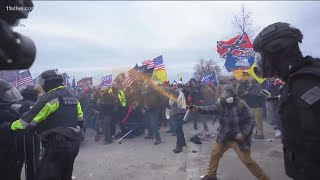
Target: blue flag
{"type": "Point", "coordinates": [106, 81]}
{"type": "Point", "coordinates": [210, 78]}
{"type": "Point", "coordinates": [234, 62]}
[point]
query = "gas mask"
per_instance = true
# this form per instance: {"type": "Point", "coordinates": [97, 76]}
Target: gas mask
{"type": "Point", "coordinates": [226, 97]}
{"type": "Point", "coordinates": [229, 100]}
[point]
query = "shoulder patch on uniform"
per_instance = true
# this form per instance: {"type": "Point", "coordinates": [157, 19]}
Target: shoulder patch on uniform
{"type": "Point", "coordinates": [312, 95]}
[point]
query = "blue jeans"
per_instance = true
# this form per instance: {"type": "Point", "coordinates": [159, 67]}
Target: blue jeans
{"type": "Point", "coordinates": [171, 124]}
{"type": "Point", "coordinates": [151, 119]}
{"type": "Point", "coordinates": [199, 117]}
{"type": "Point", "coordinates": [178, 129]}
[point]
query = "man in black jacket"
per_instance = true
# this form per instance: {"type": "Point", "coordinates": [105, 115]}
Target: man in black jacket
{"type": "Point", "coordinates": [105, 106]}
{"type": "Point", "coordinates": [255, 102]}
{"type": "Point", "coordinates": [196, 98]}
{"type": "Point", "coordinates": [151, 114]}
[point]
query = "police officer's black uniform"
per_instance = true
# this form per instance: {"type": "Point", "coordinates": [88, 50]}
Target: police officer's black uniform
{"type": "Point", "coordinates": [57, 115]}
{"type": "Point", "coordinates": [279, 55]}
{"type": "Point", "coordinates": [105, 107]}
{"type": "Point", "coordinates": [11, 149]}
{"type": "Point", "coordinates": [31, 139]}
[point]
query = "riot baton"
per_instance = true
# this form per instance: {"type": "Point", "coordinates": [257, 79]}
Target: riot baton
{"type": "Point", "coordinates": [124, 136]}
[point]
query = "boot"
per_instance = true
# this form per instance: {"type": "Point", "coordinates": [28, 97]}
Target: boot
{"type": "Point", "coordinates": [149, 137]}
{"type": "Point", "coordinates": [157, 142]}
{"type": "Point", "coordinates": [96, 138]}
{"type": "Point", "coordinates": [107, 142]}
{"type": "Point", "coordinates": [212, 177]}
{"type": "Point", "coordinates": [178, 149]}
{"type": "Point", "coordinates": [169, 131]}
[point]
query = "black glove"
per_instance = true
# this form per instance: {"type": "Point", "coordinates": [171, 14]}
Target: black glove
{"type": "Point", "coordinates": [192, 108]}
{"type": "Point", "coordinates": [5, 126]}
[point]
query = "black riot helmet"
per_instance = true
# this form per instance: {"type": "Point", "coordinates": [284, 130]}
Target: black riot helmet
{"type": "Point", "coordinates": [12, 16]}
{"type": "Point", "coordinates": [8, 93]}
{"type": "Point", "coordinates": [29, 93]}
{"type": "Point", "coordinates": [16, 50]}
{"type": "Point", "coordinates": [49, 80]}
{"type": "Point", "coordinates": [277, 50]}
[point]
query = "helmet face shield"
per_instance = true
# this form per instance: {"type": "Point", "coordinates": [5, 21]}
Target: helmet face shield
{"type": "Point", "coordinates": [39, 82]}
{"type": "Point", "coordinates": [12, 95]}
{"type": "Point", "coordinates": [258, 70]}
{"type": "Point", "coordinates": [263, 67]}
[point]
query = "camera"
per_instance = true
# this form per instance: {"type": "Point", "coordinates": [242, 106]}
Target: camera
{"type": "Point", "coordinates": [16, 51]}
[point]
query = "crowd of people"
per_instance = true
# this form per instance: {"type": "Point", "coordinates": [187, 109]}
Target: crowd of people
{"type": "Point", "coordinates": [143, 106]}
{"type": "Point", "coordinates": [49, 113]}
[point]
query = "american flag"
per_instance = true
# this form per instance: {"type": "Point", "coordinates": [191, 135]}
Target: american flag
{"type": "Point", "coordinates": [127, 81]}
{"type": "Point", "coordinates": [158, 63]}
{"type": "Point", "coordinates": [23, 79]}
{"type": "Point", "coordinates": [149, 63]}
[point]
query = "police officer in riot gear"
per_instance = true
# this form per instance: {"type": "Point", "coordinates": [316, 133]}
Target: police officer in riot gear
{"type": "Point", "coordinates": [29, 94]}
{"type": "Point", "coordinates": [278, 55]}
{"type": "Point", "coordinates": [31, 140]}
{"type": "Point", "coordinates": [11, 151]}
{"type": "Point", "coordinates": [58, 117]}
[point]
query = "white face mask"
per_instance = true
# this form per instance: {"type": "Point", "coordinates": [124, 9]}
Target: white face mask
{"type": "Point", "coordinates": [229, 100]}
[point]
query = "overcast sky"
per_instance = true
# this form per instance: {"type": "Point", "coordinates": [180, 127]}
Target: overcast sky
{"type": "Point", "coordinates": [99, 38]}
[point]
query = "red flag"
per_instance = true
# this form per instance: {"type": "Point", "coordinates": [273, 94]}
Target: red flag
{"type": "Point", "coordinates": [238, 45]}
